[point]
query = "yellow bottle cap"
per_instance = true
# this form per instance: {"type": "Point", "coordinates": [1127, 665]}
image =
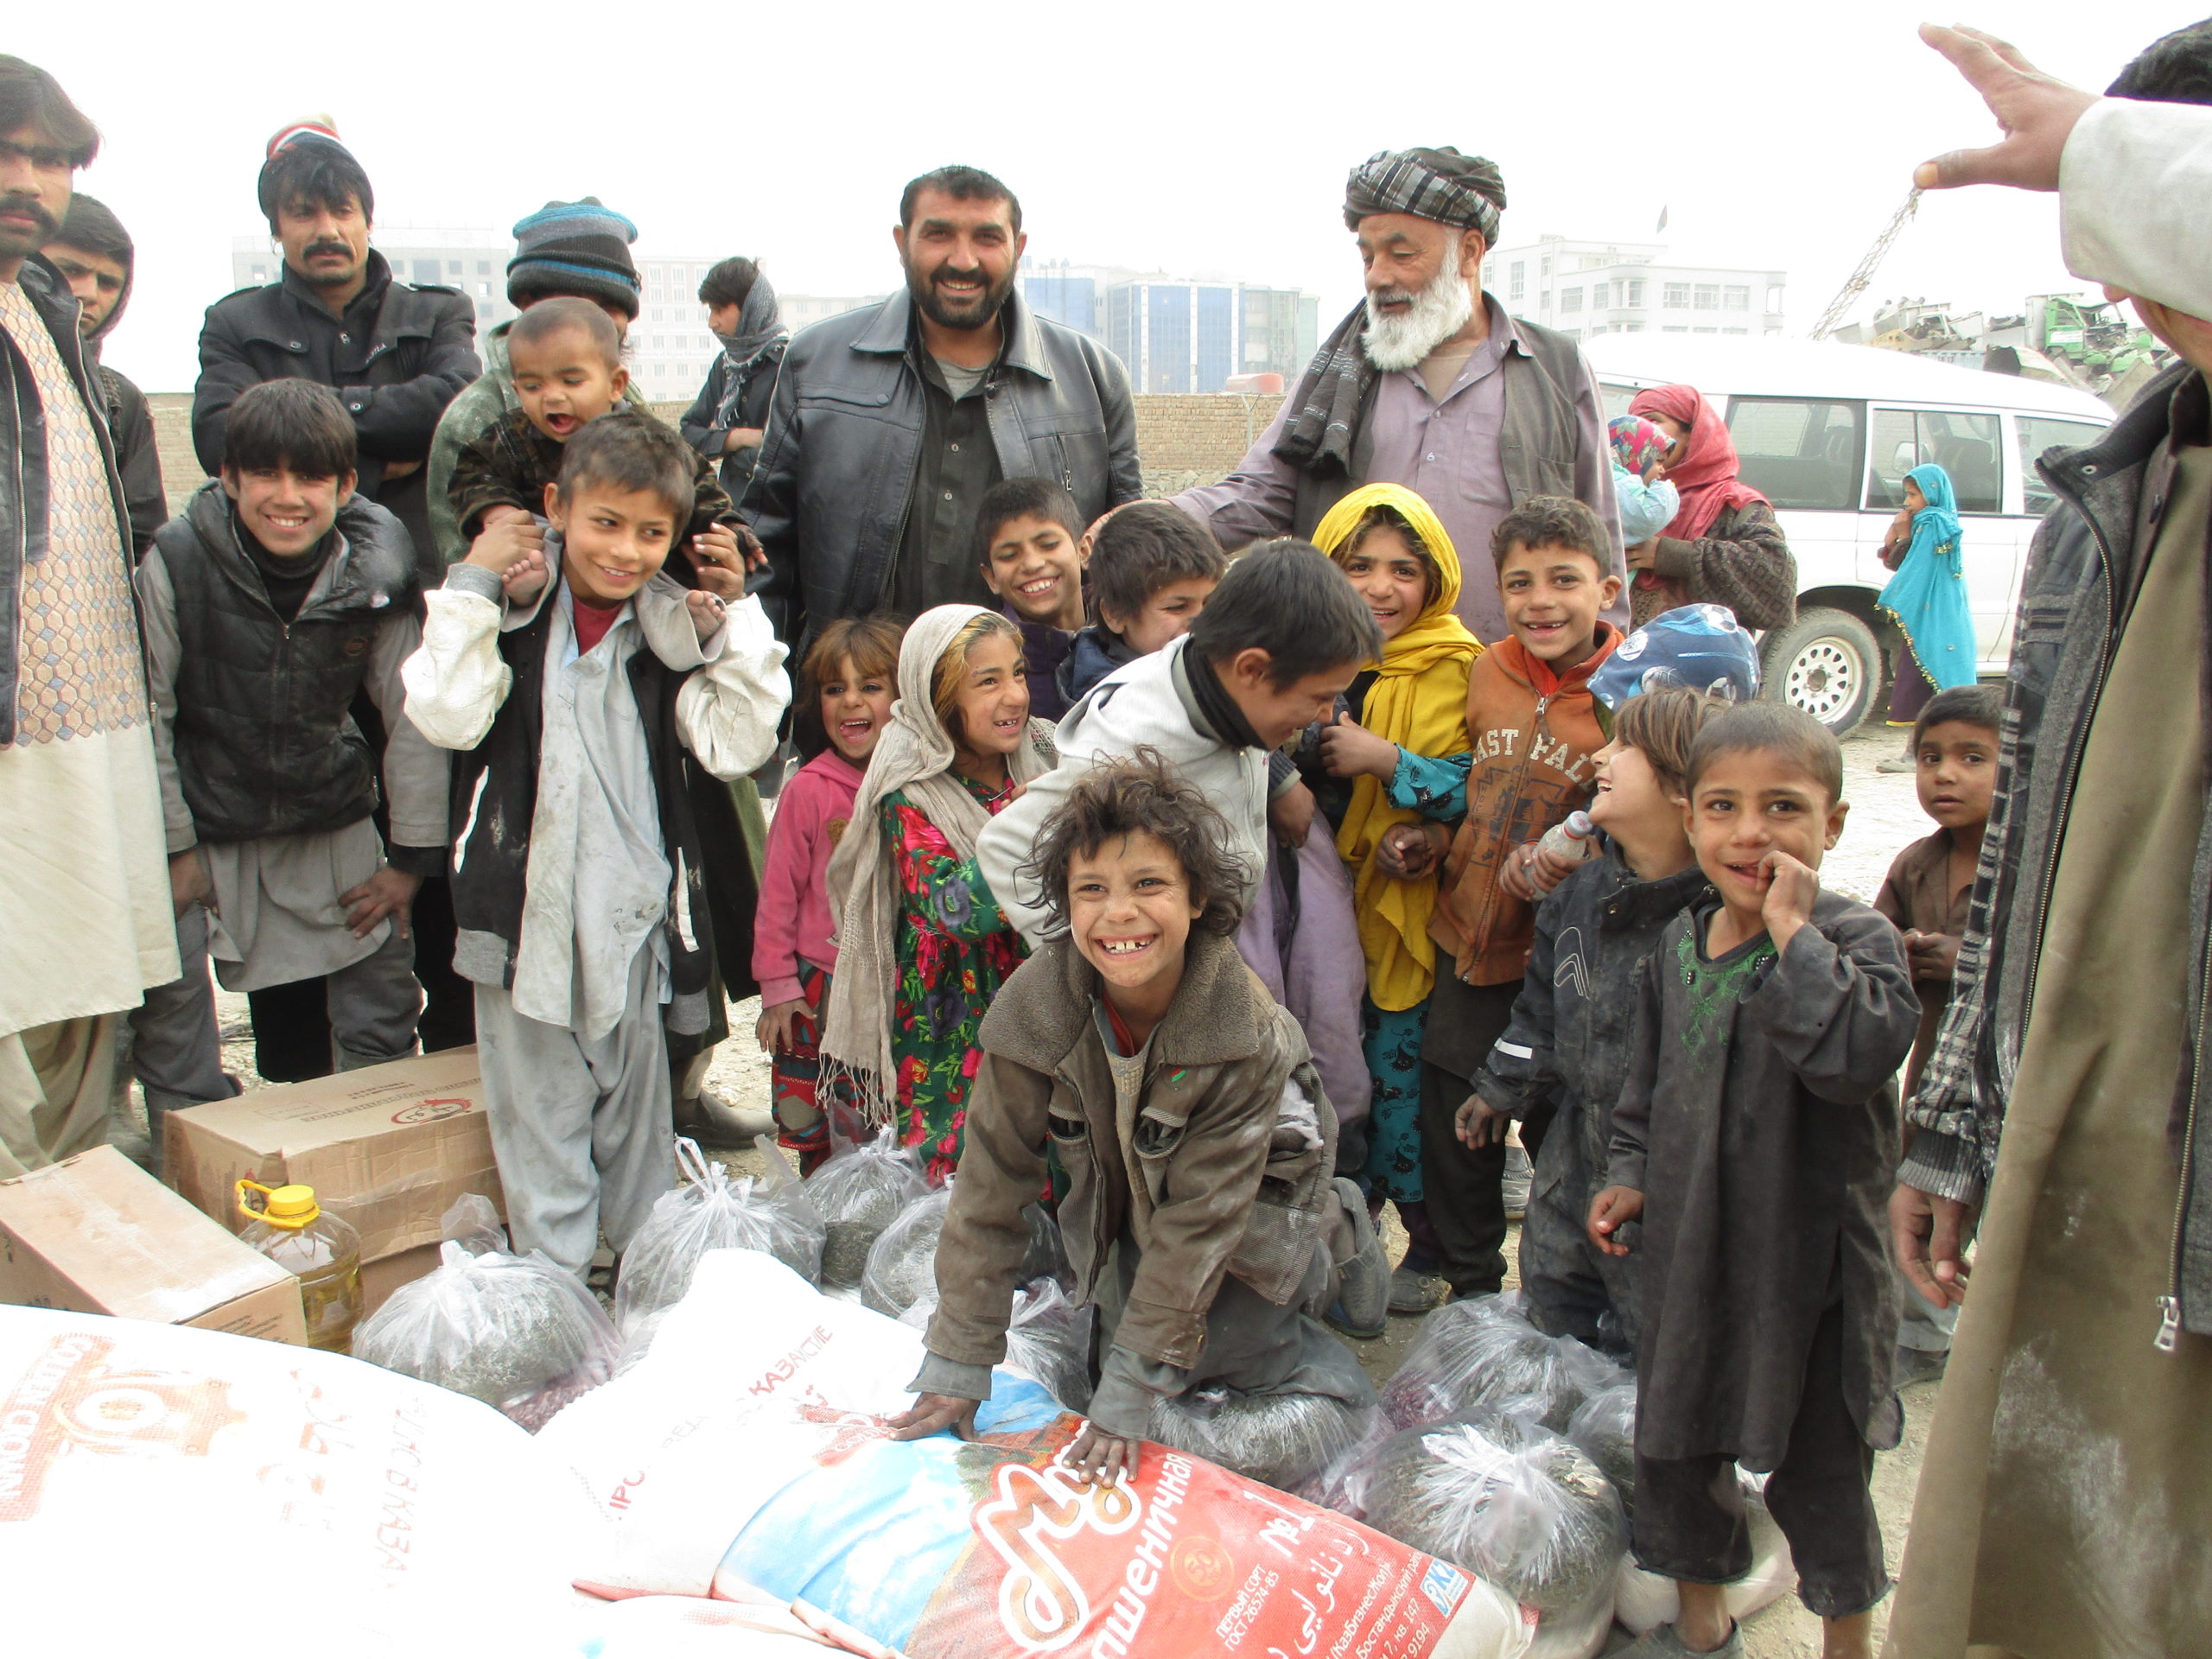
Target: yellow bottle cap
{"type": "Point", "coordinates": [289, 1207]}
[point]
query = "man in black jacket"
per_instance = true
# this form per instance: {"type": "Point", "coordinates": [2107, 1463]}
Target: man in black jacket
{"type": "Point", "coordinates": [888, 423]}
{"type": "Point", "coordinates": [396, 354]}
{"type": "Point", "coordinates": [94, 253]}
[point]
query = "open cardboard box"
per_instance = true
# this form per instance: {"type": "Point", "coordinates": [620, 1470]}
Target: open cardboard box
{"type": "Point", "coordinates": [96, 1234]}
{"type": "Point", "coordinates": [390, 1147]}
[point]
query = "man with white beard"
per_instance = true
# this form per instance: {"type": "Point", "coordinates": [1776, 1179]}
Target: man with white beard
{"type": "Point", "coordinates": [1428, 384]}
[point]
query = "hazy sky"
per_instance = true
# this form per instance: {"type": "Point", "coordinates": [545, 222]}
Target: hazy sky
{"type": "Point", "coordinates": [1196, 138]}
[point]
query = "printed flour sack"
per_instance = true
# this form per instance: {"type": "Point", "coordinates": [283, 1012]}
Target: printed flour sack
{"type": "Point", "coordinates": [746, 1455]}
{"type": "Point", "coordinates": [176, 1491]}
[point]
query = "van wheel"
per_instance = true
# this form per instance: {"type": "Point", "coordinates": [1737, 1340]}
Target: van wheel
{"type": "Point", "coordinates": [1826, 664]}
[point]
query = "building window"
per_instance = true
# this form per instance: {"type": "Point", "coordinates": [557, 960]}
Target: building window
{"type": "Point", "coordinates": [261, 273]}
{"type": "Point", "coordinates": [1704, 330]}
{"type": "Point", "coordinates": [1570, 299]}
{"type": "Point", "coordinates": [483, 267]}
{"type": "Point", "coordinates": [1597, 328]}
{"type": "Point", "coordinates": [1634, 328]}
{"type": "Point", "coordinates": [1515, 283]}
{"type": "Point", "coordinates": [1708, 297]}
{"type": "Point", "coordinates": [1736, 299]}
{"type": "Point", "coordinates": [484, 288]}
{"type": "Point", "coordinates": [1675, 296]}
{"type": "Point", "coordinates": [1735, 331]}
{"type": "Point", "coordinates": [1675, 328]}
{"type": "Point", "coordinates": [1544, 267]}
{"type": "Point", "coordinates": [452, 267]}
{"type": "Point", "coordinates": [1597, 296]}
{"type": "Point", "coordinates": [1635, 296]}
{"type": "Point", "coordinates": [1774, 299]}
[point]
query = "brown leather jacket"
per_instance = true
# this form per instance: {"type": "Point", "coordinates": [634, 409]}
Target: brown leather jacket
{"type": "Point", "coordinates": [1204, 1174]}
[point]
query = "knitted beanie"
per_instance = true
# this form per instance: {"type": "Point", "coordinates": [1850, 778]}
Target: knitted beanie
{"type": "Point", "coordinates": [308, 130]}
{"type": "Point", "coordinates": [575, 247]}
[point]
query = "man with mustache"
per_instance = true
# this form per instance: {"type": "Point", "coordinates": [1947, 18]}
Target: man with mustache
{"type": "Point", "coordinates": [888, 423]}
{"type": "Point", "coordinates": [396, 354]}
{"type": "Point", "coordinates": [1428, 384]}
{"type": "Point", "coordinates": [86, 917]}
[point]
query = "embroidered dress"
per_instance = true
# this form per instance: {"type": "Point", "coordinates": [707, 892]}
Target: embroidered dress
{"type": "Point", "coordinates": [954, 950]}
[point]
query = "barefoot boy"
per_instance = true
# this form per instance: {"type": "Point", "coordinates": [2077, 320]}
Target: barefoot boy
{"type": "Point", "coordinates": [1756, 1139]}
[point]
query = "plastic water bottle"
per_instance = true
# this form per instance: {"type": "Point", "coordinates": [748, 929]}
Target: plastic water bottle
{"type": "Point", "coordinates": [1569, 840]}
{"type": "Point", "coordinates": [322, 1250]}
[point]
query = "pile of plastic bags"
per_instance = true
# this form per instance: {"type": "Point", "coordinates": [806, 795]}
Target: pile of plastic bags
{"type": "Point", "coordinates": [518, 1333]}
{"type": "Point", "coordinates": [1477, 1354]}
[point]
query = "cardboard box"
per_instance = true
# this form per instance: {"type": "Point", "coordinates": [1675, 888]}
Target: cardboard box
{"type": "Point", "coordinates": [380, 1278]}
{"type": "Point", "coordinates": [388, 1147]}
{"type": "Point", "coordinates": [97, 1235]}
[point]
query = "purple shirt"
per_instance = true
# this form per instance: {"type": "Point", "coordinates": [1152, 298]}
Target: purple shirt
{"type": "Point", "coordinates": [1446, 452]}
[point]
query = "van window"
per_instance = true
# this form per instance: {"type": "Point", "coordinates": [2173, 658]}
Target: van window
{"type": "Point", "coordinates": [1967, 447]}
{"type": "Point", "coordinates": [1797, 452]}
{"type": "Point", "coordinates": [2037, 433]}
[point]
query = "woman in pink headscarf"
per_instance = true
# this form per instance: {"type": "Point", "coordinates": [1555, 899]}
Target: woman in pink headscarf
{"type": "Point", "coordinates": [1725, 546]}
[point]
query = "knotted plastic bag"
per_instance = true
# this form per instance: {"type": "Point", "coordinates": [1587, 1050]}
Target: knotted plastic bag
{"type": "Point", "coordinates": [858, 1193]}
{"type": "Point", "coordinates": [1471, 1355]}
{"type": "Point", "coordinates": [713, 1212]}
{"type": "Point", "coordinates": [1604, 1428]}
{"type": "Point", "coordinates": [518, 1333]}
{"type": "Point", "coordinates": [1047, 1339]}
{"type": "Point", "coordinates": [1516, 1505]}
{"type": "Point", "coordinates": [902, 1263]}
{"type": "Point", "coordinates": [1283, 1439]}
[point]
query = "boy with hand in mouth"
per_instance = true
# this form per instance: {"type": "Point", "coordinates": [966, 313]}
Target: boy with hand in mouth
{"type": "Point", "coordinates": [565, 355]}
{"type": "Point", "coordinates": [1029, 542]}
{"type": "Point", "coordinates": [1135, 1045]}
{"type": "Point", "coordinates": [579, 869]}
{"type": "Point", "coordinates": [1756, 1139]}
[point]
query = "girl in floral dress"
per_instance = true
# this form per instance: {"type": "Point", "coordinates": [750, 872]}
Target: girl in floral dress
{"type": "Point", "coordinates": [922, 945]}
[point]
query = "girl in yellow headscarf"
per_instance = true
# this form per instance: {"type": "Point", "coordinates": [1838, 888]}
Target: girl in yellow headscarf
{"type": "Point", "coordinates": [1395, 551]}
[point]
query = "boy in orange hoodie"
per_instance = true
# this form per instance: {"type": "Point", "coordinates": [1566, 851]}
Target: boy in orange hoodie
{"type": "Point", "coordinates": [1534, 728]}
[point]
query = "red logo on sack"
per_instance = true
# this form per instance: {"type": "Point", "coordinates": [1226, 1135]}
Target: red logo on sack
{"type": "Point", "coordinates": [430, 1111]}
{"type": "Point", "coordinates": [1042, 1603]}
{"type": "Point", "coordinates": [68, 1401]}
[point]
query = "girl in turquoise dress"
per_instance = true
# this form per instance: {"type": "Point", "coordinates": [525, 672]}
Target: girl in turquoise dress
{"type": "Point", "coordinates": [1926, 598]}
{"type": "Point", "coordinates": [921, 946]}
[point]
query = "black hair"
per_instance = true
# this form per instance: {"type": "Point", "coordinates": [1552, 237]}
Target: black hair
{"type": "Point", "coordinates": [1969, 705]}
{"type": "Point", "coordinates": [298, 424]}
{"type": "Point", "coordinates": [305, 174]}
{"type": "Point", "coordinates": [1287, 598]}
{"type": "Point", "coordinates": [729, 282]}
{"type": "Point", "coordinates": [31, 97]}
{"type": "Point", "coordinates": [1773, 728]}
{"type": "Point", "coordinates": [627, 449]}
{"type": "Point", "coordinates": [93, 226]}
{"type": "Point", "coordinates": [2174, 68]}
{"type": "Point", "coordinates": [1552, 521]}
{"type": "Point", "coordinates": [1023, 498]}
{"type": "Point", "coordinates": [564, 312]}
{"type": "Point", "coordinates": [961, 184]}
{"type": "Point", "coordinates": [1145, 547]}
{"type": "Point", "coordinates": [1140, 795]}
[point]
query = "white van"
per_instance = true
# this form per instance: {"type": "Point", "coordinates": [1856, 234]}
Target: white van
{"type": "Point", "coordinates": [1828, 433]}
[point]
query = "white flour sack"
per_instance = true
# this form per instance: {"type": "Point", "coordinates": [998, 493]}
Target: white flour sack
{"type": "Point", "coordinates": [174, 1491]}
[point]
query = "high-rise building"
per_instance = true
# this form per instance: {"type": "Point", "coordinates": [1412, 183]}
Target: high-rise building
{"type": "Point", "coordinates": [1583, 288]}
{"type": "Point", "coordinates": [1181, 335]}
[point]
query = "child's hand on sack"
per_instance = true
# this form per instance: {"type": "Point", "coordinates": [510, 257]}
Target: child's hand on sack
{"type": "Point", "coordinates": [1791, 890]}
{"type": "Point", "coordinates": [1099, 1459]}
{"type": "Point", "coordinates": [1480, 1123]}
{"type": "Point", "coordinates": [524, 579]}
{"type": "Point", "coordinates": [503, 544]}
{"type": "Point", "coordinates": [1349, 750]}
{"type": "Point", "coordinates": [933, 1413]}
{"type": "Point", "coordinates": [708, 611]}
{"type": "Point", "coordinates": [774, 1032]}
{"type": "Point", "coordinates": [1932, 956]}
{"type": "Point", "coordinates": [1610, 1211]}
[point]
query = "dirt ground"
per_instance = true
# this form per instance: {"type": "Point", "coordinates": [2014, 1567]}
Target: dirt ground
{"type": "Point", "coordinates": [1885, 815]}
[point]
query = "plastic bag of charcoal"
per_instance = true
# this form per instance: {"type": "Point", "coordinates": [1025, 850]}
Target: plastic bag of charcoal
{"type": "Point", "coordinates": [1506, 1498]}
{"type": "Point", "coordinates": [902, 1263]}
{"type": "Point", "coordinates": [715, 1210]}
{"type": "Point", "coordinates": [858, 1193]}
{"type": "Point", "coordinates": [519, 1332]}
{"type": "Point", "coordinates": [1471, 1356]}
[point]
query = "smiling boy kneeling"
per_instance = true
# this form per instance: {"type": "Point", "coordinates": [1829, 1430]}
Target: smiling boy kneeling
{"type": "Point", "coordinates": [1201, 1216]}
{"type": "Point", "coordinates": [577, 873]}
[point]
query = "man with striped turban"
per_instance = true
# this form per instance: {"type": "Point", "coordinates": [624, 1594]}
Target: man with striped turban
{"type": "Point", "coordinates": [1428, 384]}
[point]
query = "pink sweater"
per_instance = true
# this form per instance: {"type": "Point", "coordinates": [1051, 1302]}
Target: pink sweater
{"type": "Point", "coordinates": [793, 919]}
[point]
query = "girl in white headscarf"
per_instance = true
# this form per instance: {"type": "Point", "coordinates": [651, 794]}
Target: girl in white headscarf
{"type": "Point", "coordinates": [921, 946]}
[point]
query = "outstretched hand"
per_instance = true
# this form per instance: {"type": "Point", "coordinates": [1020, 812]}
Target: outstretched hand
{"type": "Point", "coordinates": [2037, 112]}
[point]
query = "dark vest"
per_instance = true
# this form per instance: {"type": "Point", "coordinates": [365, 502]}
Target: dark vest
{"type": "Point", "coordinates": [495, 802]}
{"type": "Point", "coordinates": [1536, 445]}
{"type": "Point", "coordinates": [266, 745]}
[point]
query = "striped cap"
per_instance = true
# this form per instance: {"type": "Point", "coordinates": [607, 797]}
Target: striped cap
{"type": "Point", "coordinates": [575, 247]}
